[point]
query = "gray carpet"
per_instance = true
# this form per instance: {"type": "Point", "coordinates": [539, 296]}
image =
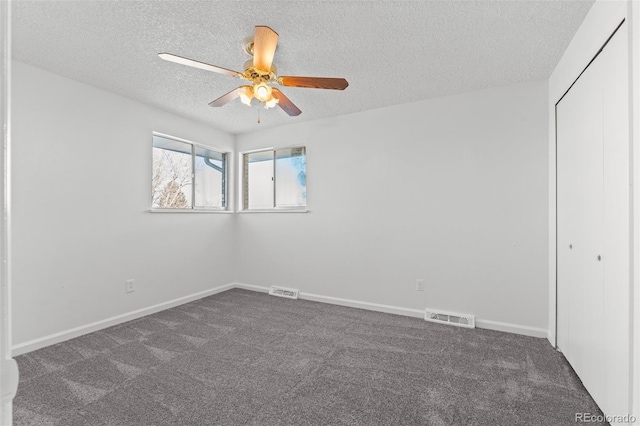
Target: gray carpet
{"type": "Point", "coordinates": [246, 358]}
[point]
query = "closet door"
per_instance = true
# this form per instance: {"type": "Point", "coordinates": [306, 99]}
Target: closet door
{"type": "Point", "coordinates": [570, 205]}
{"type": "Point", "coordinates": [593, 223]}
{"type": "Point", "coordinates": [568, 231]}
{"type": "Point", "coordinates": [580, 228]}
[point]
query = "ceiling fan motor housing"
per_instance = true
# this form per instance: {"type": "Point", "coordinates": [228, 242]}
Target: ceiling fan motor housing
{"type": "Point", "coordinates": [258, 76]}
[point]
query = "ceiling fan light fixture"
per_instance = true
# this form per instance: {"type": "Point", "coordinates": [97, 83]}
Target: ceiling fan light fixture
{"type": "Point", "coordinates": [271, 103]}
{"type": "Point", "coordinates": [262, 92]}
{"type": "Point", "coordinates": [246, 95]}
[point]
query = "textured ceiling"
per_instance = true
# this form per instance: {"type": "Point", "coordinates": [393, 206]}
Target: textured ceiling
{"type": "Point", "coordinates": [391, 52]}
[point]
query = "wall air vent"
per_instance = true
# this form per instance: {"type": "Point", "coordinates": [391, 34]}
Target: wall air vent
{"type": "Point", "coordinates": [450, 318]}
{"type": "Point", "coordinates": [289, 293]}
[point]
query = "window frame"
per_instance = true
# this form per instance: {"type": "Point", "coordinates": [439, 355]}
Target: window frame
{"type": "Point", "coordinates": [225, 177]}
{"type": "Point", "coordinates": [242, 184]}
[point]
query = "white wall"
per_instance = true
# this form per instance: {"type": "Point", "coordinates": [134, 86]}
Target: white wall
{"type": "Point", "coordinates": [452, 190]}
{"type": "Point", "coordinates": [81, 195]}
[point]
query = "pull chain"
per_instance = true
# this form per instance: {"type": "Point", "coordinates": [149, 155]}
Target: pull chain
{"type": "Point", "coordinates": [258, 115]}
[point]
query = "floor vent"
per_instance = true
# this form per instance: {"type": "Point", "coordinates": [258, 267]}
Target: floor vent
{"type": "Point", "coordinates": [459, 320]}
{"type": "Point", "coordinates": [289, 293]}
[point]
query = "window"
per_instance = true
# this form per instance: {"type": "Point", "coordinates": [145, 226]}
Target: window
{"type": "Point", "coordinates": [187, 176]}
{"type": "Point", "coordinates": [274, 179]}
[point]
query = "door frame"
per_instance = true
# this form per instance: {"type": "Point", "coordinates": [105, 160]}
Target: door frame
{"type": "Point", "coordinates": [8, 367]}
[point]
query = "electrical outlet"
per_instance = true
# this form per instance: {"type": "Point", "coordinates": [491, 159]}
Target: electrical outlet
{"type": "Point", "coordinates": [130, 286]}
{"type": "Point", "coordinates": [420, 285]}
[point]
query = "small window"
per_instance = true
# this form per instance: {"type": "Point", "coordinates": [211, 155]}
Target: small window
{"type": "Point", "coordinates": [275, 179]}
{"type": "Point", "coordinates": [187, 176]}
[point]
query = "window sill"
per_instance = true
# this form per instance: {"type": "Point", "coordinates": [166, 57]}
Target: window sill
{"type": "Point", "coordinates": [190, 211]}
{"type": "Point", "coordinates": [275, 211]}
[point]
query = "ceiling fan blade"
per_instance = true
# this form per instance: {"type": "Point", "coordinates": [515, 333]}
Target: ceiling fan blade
{"type": "Point", "coordinates": [314, 82]}
{"type": "Point", "coordinates": [265, 41]}
{"type": "Point", "coordinates": [226, 98]}
{"type": "Point", "coordinates": [191, 63]}
{"type": "Point", "coordinates": [284, 103]}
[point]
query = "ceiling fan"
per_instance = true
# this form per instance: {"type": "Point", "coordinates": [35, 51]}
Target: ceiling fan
{"type": "Point", "coordinates": [262, 74]}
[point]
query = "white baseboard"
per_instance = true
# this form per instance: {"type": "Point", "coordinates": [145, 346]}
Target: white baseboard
{"type": "Point", "coordinates": [363, 305]}
{"type": "Point", "coordinates": [416, 313]}
{"type": "Point", "coordinates": [257, 288]}
{"type": "Point", "coordinates": [52, 339]}
{"type": "Point", "coordinates": [525, 330]}
{"type": "Point", "coordinates": [343, 302]}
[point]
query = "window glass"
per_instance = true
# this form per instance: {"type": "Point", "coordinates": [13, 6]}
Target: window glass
{"type": "Point", "coordinates": [275, 179]}
{"type": "Point", "coordinates": [259, 180]}
{"type": "Point", "coordinates": [187, 176]}
{"type": "Point", "coordinates": [171, 181]}
{"type": "Point", "coordinates": [291, 177]}
{"type": "Point", "coordinates": [210, 178]}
